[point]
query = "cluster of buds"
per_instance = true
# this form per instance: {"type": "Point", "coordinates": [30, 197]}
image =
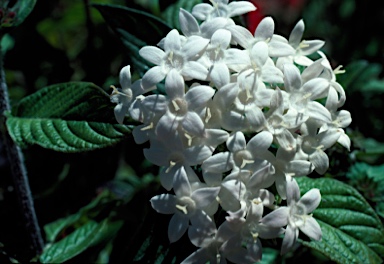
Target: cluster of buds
{"type": "Point", "coordinates": [242, 112]}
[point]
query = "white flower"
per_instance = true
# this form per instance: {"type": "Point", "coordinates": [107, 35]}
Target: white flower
{"type": "Point", "coordinates": [190, 27]}
{"type": "Point", "coordinates": [278, 123]}
{"type": "Point", "coordinates": [176, 55]}
{"type": "Point", "coordinates": [221, 8]}
{"type": "Point", "coordinates": [241, 155]}
{"type": "Point", "coordinates": [296, 215]}
{"type": "Point", "coordinates": [286, 166]}
{"type": "Point", "coordinates": [182, 108]}
{"type": "Point", "coordinates": [312, 145]}
{"type": "Point", "coordinates": [215, 58]}
{"type": "Point", "coordinates": [185, 205]}
{"type": "Point", "coordinates": [302, 95]}
{"type": "Point", "coordinates": [126, 95]}
{"type": "Point", "coordinates": [302, 47]}
{"type": "Point", "coordinates": [175, 157]}
{"type": "Point", "coordinates": [277, 45]}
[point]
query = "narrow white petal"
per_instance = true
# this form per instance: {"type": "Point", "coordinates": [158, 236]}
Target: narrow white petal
{"type": "Point", "coordinates": [152, 54]}
{"type": "Point", "coordinates": [172, 41]}
{"type": "Point", "coordinates": [237, 60]}
{"type": "Point", "coordinates": [120, 111]}
{"type": "Point", "coordinates": [286, 140]}
{"type": "Point", "coordinates": [260, 143]}
{"type": "Point", "coordinates": [177, 227]}
{"type": "Point", "coordinates": [289, 240]}
{"type": "Point", "coordinates": [310, 200]}
{"type": "Point", "coordinates": [152, 77]}
{"type": "Point", "coordinates": [272, 74]}
{"type": "Point", "coordinates": [174, 85]}
{"type": "Point", "coordinates": [164, 203]}
{"type": "Point", "coordinates": [345, 141]}
{"type": "Point", "coordinates": [201, 11]}
{"type": "Point", "coordinates": [280, 49]}
{"type": "Point", "coordinates": [318, 111]}
{"type": "Point", "coordinates": [297, 34]}
{"type": "Point", "coordinates": [236, 142]}
{"type": "Point", "coordinates": [188, 23]}
{"type": "Point", "coordinates": [192, 124]}
{"type": "Point", "coordinates": [277, 218]}
{"type": "Point", "coordinates": [195, 70]}
{"type": "Point", "coordinates": [316, 88]}
{"type": "Point", "coordinates": [293, 191]}
{"type": "Point", "coordinates": [198, 96]}
{"type": "Point", "coordinates": [312, 229]}
{"type": "Point", "coordinates": [299, 167]}
{"type": "Point", "coordinates": [125, 77]}
{"type": "Point", "coordinates": [181, 184]}
{"type": "Point", "coordinates": [259, 53]}
{"type": "Point", "coordinates": [221, 38]}
{"type": "Point", "coordinates": [220, 162]}
{"type": "Point", "coordinates": [242, 36]}
{"type": "Point", "coordinates": [292, 78]}
{"type": "Point", "coordinates": [219, 74]}
{"type": "Point", "coordinates": [312, 46]}
{"type": "Point", "coordinates": [237, 8]}
{"type": "Point", "coordinates": [194, 46]}
{"type": "Point", "coordinates": [320, 161]}
{"type": "Point", "coordinates": [265, 29]}
{"type": "Point", "coordinates": [197, 155]}
{"type": "Point", "coordinates": [204, 196]}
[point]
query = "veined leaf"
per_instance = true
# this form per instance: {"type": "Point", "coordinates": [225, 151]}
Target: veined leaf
{"type": "Point", "coordinates": [136, 29]}
{"type": "Point", "coordinates": [64, 136]}
{"type": "Point", "coordinates": [67, 117]}
{"type": "Point", "coordinates": [82, 238]}
{"type": "Point", "coordinates": [352, 232]}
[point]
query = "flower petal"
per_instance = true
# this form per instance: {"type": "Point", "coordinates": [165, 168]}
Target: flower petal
{"type": "Point", "coordinates": [311, 228]}
{"type": "Point", "coordinates": [310, 200]}
{"type": "Point", "coordinates": [164, 203]}
{"type": "Point", "coordinates": [177, 226]}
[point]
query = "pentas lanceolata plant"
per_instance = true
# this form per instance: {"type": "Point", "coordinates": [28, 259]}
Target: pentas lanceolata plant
{"type": "Point", "coordinates": [242, 112]}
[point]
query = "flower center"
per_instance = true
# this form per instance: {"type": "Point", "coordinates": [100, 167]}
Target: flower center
{"type": "Point", "coordinates": [309, 145]}
{"type": "Point", "coordinates": [298, 216]}
{"type": "Point", "coordinates": [174, 61]}
{"type": "Point", "coordinates": [186, 205]}
{"type": "Point", "coordinates": [275, 124]}
{"type": "Point", "coordinates": [178, 107]}
{"type": "Point", "coordinates": [242, 158]}
{"type": "Point", "coordinates": [245, 96]}
{"type": "Point", "coordinates": [215, 54]}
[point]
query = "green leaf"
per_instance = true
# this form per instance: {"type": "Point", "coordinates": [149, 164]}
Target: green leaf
{"type": "Point", "coordinates": [270, 256]}
{"type": "Point", "coordinates": [67, 117]}
{"type": "Point", "coordinates": [171, 14]}
{"type": "Point", "coordinates": [358, 74]}
{"type": "Point", "coordinates": [136, 29]}
{"type": "Point", "coordinates": [90, 211]}
{"type": "Point", "coordinates": [64, 136]}
{"type": "Point", "coordinates": [22, 8]}
{"type": "Point", "coordinates": [348, 222]}
{"type": "Point", "coordinates": [82, 238]}
{"type": "Point", "coordinates": [16, 14]}
{"type": "Point", "coordinates": [342, 248]}
{"type": "Point", "coordinates": [371, 149]}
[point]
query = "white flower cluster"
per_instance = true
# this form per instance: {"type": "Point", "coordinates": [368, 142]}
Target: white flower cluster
{"type": "Point", "coordinates": [275, 109]}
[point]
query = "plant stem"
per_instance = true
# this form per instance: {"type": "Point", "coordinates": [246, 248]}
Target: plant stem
{"type": "Point", "coordinates": [18, 170]}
